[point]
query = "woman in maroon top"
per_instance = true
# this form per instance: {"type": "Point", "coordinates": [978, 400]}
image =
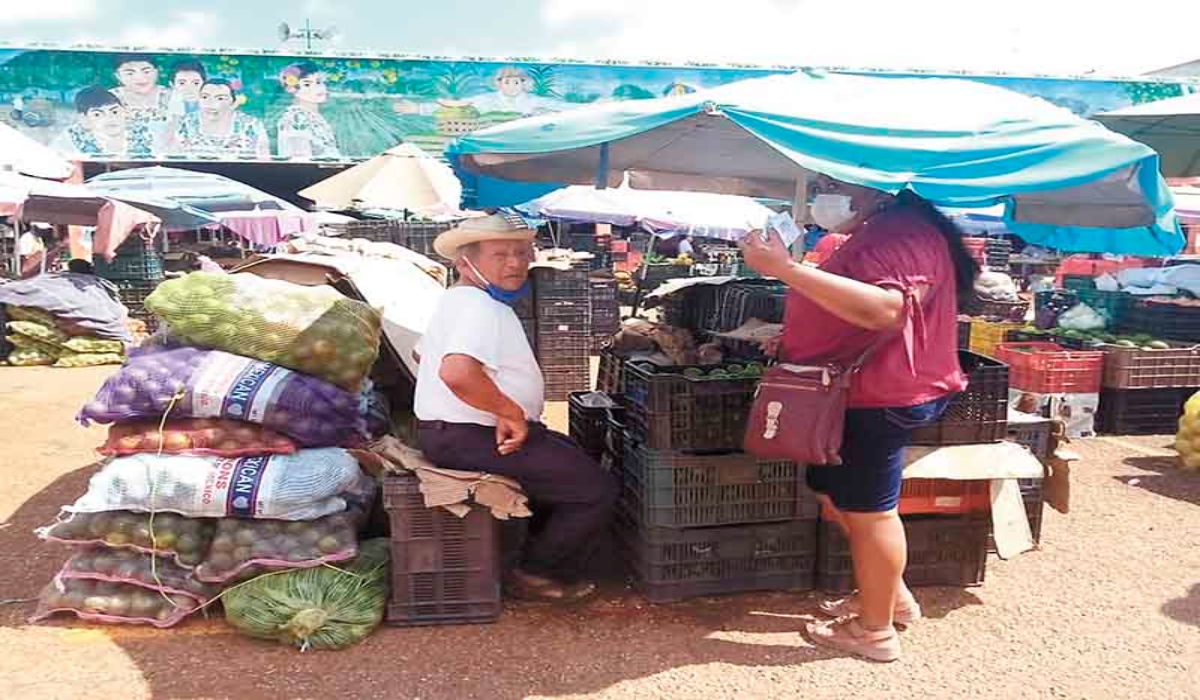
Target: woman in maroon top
{"type": "Point", "coordinates": [891, 289]}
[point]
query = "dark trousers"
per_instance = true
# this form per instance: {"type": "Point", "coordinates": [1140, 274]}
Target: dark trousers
{"type": "Point", "coordinates": [571, 496]}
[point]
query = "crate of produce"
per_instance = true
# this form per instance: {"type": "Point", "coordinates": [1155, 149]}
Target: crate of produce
{"type": "Point", "coordinates": [1167, 318]}
{"type": "Point", "coordinates": [1046, 368]}
{"type": "Point", "coordinates": [1141, 411]}
{"type": "Point", "coordinates": [136, 259]}
{"type": "Point", "coordinates": [1035, 433]}
{"type": "Point", "coordinates": [669, 488]}
{"type": "Point", "coordinates": [944, 496]}
{"type": "Point", "coordinates": [671, 565]}
{"type": "Point", "coordinates": [587, 423]}
{"type": "Point", "coordinates": [1114, 305]}
{"type": "Point", "coordinates": [1157, 366]}
{"type": "Point", "coordinates": [987, 335]}
{"type": "Point", "coordinates": [977, 415]}
{"type": "Point", "coordinates": [445, 569]}
{"type": "Point", "coordinates": [1049, 305]}
{"type": "Point", "coordinates": [995, 310]}
{"type": "Point", "coordinates": [942, 551]}
{"type": "Point", "coordinates": [690, 408]}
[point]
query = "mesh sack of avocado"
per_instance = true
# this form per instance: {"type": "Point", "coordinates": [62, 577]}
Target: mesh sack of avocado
{"type": "Point", "coordinates": [94, 346]}
{"type": "Point", "coordinates": [29, 313]}
{"type": "Point", "coordinates": [106, 601]}
{"type": "Point", "coordinates": [191, 383]}
{"type": "Point", "coordinates": [136, 568]}
{"type": "Point", "coordinates": [184, 540]}
{"type": "Point", "coordinates": [84, 359]}
{"type": "Point", "coordinates": [25, 342]}
{"type": "Point", "coordinates": [46, 334]}
{"type": "Point", "coordinates": [304, 486]}
{"type": "Point", "coordinates": [327, 607]}
{"type": "Point", "coordinates": [29, 357]}
{"type": "Point", "coordinates": [314, 330]}
{"type": "Point", "coordinates": [214, 437]}
{"type": "Point", "coordinates": [243, 548]}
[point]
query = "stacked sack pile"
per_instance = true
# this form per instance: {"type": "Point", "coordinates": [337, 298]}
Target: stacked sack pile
{"type": "Point", "coordinates": [227, 457]}
{"type": "Point", "coordinates": [39, 338]}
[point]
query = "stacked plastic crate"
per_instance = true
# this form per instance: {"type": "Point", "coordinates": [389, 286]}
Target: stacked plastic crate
{"type": "Point", "coordinates": [563, 329]}
{"type": "Point", "coordinates": [1144, 389]}
{"type": "Point", "coordinates": [136, 270]}
{"type": "Point", "coordinates": [1049, 380]}
{"type": "Point", "coordinates": [606, 311]}
{"type": "Point", "coordinates": [697, 516]}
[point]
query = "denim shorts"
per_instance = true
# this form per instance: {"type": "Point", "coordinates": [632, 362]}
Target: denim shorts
{"type": "Point", "coordinates": [868, 479]}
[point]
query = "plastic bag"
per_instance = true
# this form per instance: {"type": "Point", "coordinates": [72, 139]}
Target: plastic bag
{"type": "Point", "coordinates": [81, 359]}
{"type": "Point", "coordinates": [48, 334]}
{"type": "Point", "coordinates": [319, 608]}
{"type": "Point", "coordinates": [1082, 317]}
{"type": "Point", "coordinates": [213, 384]}
{"type": "Point", "coordinates": [303, 486]}
{"type": "Point", "coordinates": [138, 569]}
{"type": "Point", "coordinates": [94, 346]}
{"type": "Point", "coordinates": [214, 437]}
{"type": "Point", "coordinates": [185, 540]}
{"type": "Point", "coordinates": [105, 601]}
{"type": "Point", "coordinates": [315, 330]}
{"type": "Point", "coordinates": [28, 357]}
{"type": "Point", "coordinates": [244, 548]}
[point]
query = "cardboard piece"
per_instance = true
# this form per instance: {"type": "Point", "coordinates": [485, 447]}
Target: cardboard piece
{"type": "Point", "coordinates": [1076, 411]}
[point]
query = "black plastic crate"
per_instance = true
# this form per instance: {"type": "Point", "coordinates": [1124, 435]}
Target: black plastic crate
{"type": "Point", "coordinates": [669, 488]}
{"type": "Point", "coordinates": [445, 569]}
{"type": "Point", "coordinates": [964, 335]}
{"type": "Point", "coordinates": [671, 565]}
{"type": "Point", "coordinates": [587, 425]}
{"type": "Point", "coordinates": [1141, 411]}
{"type": "Point", "coordinates": [651, 276]}
{"type": "Point", "coordinates": [979, 414]}
{"type": "Point", "coordinates": [942, 551]}
{"type": "Point", "coordinates": [669, 409]}
{"type": "Point", "coordinates": [557, 345]}
{"type": "Point", "coordinates": [135, 259]}
{"type": "Point", "coordinates": [614, 441]}
{"type": "Point", "coordinates": [1115, 305]}
{"type": "Point", "coordinates": [611, 375]}
{"type": "Point", "coordinates": [1163, 319]}
{"type": "Point", "coordinates": [551, 283]}
{"type": "Point", "coordinates": [1037, 436]}
{"type": "Point", "coordinates": [571, 311]}
{"type": "Point", "coordinates": [660, 389]}
{"type": "Point", "coordinates": [738, 302]}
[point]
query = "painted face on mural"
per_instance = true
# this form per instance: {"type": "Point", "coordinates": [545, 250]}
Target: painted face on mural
{"type": "Point", "coordinates": [187, 84]}
{"type": "Point", "coordinates": [216, 100]}
{"type": "Point", "coordinates": [140, 77]}
{"type": "Point", "coordinates": [512, 84]}
{"type": "Point", "coordinates": [312, 88]}
{"type": "Point", "coordinates": [107, 120]}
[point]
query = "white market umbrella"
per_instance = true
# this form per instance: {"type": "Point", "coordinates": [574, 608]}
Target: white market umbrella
{"type": "Point", "coordinates": [21, 154]}
{"type": "Point", "coordinates": [401, 178]}
{"type": "Point", "coordinates": [1171, 127]}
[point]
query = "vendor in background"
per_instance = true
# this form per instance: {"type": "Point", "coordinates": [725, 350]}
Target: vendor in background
{"type": "Point", "coordinates": [891, 291]}
{"type": "Point", "coordinates": [675, 246]}
{"type": "Point", "coordinates": [479, 400]}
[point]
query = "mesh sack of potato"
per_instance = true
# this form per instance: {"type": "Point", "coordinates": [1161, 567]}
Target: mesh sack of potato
{"type": "Point", "coordinates": [315, 330]}
{"type": "Point", "coordinates": [29, 357]}
{"type": "Point", "coordinates": [184, 540]}
{"type": "Point", "coordinates": [243, 548]}
{"type": "Point", "coordinates": [106, 601]}
{"type": "Point", "coordinates": [136, 568]}
{"type": "Point", "coordinates": [304, 486]}
{"type": "Point", "coordinates": [326, 607]}
{"type": "Point", "coordinates": [214, 437]}
{"type": "Point", "coordinates": [191, 383]}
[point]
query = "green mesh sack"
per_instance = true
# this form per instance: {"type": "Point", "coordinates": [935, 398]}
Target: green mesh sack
{"type": "Point", "coordinates": [24, 342]}
{"type": "Point", "coordinates": [327, 607]}
{"type": "Point", "coordinates": [88, 359]}
{"type": "Point", "coordinates": [29, 357]}
{"type": "Point", "coordinates": [36, 330]}
{"type": "Point", "coordinates": [314, 330]}
{"type": "Point", "coordinates": [96, 346]}
{"type": "Point", "coordinates": [28, 313]}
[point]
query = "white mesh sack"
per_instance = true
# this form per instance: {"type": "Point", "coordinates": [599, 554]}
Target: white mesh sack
{"type": "Point", "coordinates": [302, 486]}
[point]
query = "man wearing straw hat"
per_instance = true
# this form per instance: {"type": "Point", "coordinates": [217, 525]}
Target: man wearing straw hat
{"type": "Point", "coordinates": [479, 400]}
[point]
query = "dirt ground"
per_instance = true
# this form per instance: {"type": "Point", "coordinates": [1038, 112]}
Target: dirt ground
{"type": "Point", "coordinates": [1109, 608]}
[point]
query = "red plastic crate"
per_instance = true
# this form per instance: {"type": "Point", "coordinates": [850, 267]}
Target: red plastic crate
{"type": "Point", "coordinates": [1046, 368]}
{"type": "Point", "coordinates": [944, 496]}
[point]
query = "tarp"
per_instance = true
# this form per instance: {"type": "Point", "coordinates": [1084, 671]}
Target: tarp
{"type": "Point", "coordinates": [1066, 182]}
{"type": "Point", "coordinates": [1171, 127]}
{"type": "Point", "coordinates": [696, 213]}
{"type": "Point", "coordinates": [21, 154]}
{"type": "Point", "coordinates": [85, 299]}
{"type": "Point", "coordinates": [207, 192]}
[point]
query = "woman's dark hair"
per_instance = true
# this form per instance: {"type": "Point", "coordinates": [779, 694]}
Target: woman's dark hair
{"type": "Point", "coordinates": [79, 266]}
{"type": "Point", "coordinates": [965, 267]}
{"type": "Point", "coordinates": [124, 58]}
{"type": "Point", "coordinates": [305, 69]}
{"type": "Point", "coordinates": [189, 66]}
{"type": "Point", "coordinates": [220, 82]}
{"type": "Point", "coordinates": [94, 97]}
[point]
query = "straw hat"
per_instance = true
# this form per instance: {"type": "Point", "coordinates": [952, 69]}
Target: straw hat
{"type": "Point", "coordinates": [497, 227]}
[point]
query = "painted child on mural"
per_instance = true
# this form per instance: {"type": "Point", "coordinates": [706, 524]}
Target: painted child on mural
{"type": "Point", "coordinates": [303, 132]}
{"type": "Point", "coordinates": [146, 102]}
{"type": "Point", "coordinates": [103, 129]}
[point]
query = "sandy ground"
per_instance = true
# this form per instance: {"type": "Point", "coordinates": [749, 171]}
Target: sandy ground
{"type": "Point", "coordinates": [1109, 608]}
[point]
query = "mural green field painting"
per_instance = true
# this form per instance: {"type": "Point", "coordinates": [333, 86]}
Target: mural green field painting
{"type": "Point", "coordinates": [101, 105]}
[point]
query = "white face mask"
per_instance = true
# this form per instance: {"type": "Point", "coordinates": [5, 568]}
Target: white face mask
{"type": "Point", "coordinates": [831, 211]}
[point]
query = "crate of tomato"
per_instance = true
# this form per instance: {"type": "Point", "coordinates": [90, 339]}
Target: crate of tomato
{"type": "Point", "coordinates": [1047, 368]}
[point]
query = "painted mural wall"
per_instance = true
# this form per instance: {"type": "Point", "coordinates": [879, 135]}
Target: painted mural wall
{"type": "Point", "coordinates": [101, 105]}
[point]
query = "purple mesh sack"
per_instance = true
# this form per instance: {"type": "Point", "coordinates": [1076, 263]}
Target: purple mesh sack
{"type": "Point", "coordinates": [215, 384]}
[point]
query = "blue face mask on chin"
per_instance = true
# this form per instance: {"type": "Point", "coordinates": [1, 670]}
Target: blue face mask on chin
{"type": "Point", "coordinates": [504, 296]}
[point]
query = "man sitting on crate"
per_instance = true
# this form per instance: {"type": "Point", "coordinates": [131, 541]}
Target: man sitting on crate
{"type": "Point", "coordinates": [479, 400]}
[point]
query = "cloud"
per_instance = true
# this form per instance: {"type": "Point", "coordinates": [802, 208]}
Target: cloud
{"type": "Point", "coordinates": [317, 7]}
{"type": "Point", "coordinates": [184, 28]}
{"type": "Point", "coordinates": [1042, 36]}
{"type": "Point", "coordinates": [19, 12]}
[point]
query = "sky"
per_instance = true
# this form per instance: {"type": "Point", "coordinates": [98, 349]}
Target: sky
{"type": "Point", "coordinates": [1013, 36]}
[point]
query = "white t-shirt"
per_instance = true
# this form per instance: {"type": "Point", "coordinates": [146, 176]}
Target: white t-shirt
{"type": "Point", "coordinates": [469, 322]}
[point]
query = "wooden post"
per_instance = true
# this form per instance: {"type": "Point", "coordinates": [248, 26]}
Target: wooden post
{"type": "Point", "coordinates": [800, 212]}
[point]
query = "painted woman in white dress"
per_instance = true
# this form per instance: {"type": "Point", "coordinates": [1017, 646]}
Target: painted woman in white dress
{"type": "Point", "coordinates": [303, 133]}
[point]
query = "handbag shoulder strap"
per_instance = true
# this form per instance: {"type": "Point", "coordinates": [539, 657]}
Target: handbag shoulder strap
{"type": "Point", "coordinates": [886, 335]}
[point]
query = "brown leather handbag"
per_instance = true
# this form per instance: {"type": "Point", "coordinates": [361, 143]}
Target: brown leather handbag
{"type": "Point", "coordinates": [799, 411]}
